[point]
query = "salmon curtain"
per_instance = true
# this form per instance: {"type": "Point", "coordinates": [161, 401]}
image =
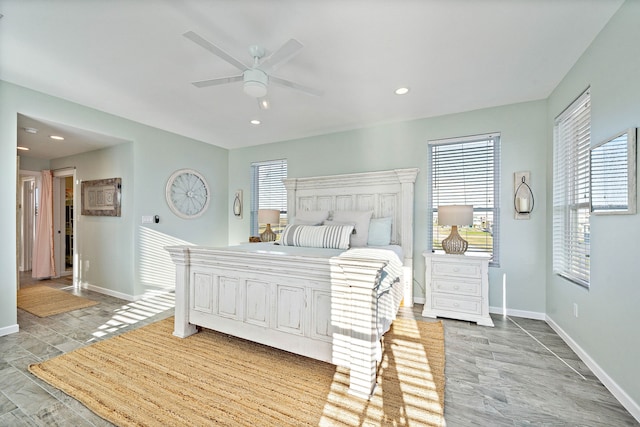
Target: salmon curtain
{"type": "Point", "coordinates": [43, 265]}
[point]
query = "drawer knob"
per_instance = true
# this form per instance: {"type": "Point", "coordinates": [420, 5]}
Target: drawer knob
{"type": "Point", "coordinates": [455, 304]}
{"type": "Point", "coordinates": [456, 269]}
{"type": "Point", "coordinates": [456, 287]}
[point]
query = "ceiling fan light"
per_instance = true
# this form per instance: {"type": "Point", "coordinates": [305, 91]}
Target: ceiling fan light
{"type": "Point", "coordinates": [264, 103]}
{"type": "Point", "coordinates": [255, 89]}
{"type": "Point", "coordinates": [255, 83]}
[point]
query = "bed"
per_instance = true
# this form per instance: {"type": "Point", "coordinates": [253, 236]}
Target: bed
{"type": "Point", "coordinates": [331, 303]}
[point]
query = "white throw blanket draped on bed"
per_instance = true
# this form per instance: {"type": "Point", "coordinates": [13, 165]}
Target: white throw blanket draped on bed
{"type": "Point", "coordinates": [390, 292]}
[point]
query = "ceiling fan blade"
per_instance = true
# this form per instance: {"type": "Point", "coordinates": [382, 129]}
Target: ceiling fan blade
{"type": "Point", "coordinates": [215, 50]}
{"type": "Point", "coordinates": [220, 81]}
{"type": "Point", "coordinates": [282, 55]}
{"type": "Point", "coordinates": [296, 86]}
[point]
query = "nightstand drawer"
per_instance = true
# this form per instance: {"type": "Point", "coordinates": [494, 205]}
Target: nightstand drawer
{"type": "Point", "coordinates": [470, 306]}
{"type": "Point", "coordinates": [459, 287]}
{"type": "Point", "coordinates": [469, 269]}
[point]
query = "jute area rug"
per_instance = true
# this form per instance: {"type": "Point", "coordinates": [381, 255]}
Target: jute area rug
{"type": "Point", "coordinates": [148, 377]}
{"type": "Point", "coordinates": [44, 301]}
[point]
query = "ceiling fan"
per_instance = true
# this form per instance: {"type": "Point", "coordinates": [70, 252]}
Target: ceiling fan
{"type": "Point", "coordinates": [256, 77]}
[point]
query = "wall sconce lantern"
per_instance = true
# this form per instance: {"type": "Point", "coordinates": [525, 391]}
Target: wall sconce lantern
{"type": "Point", "coordinates": [523, 200]}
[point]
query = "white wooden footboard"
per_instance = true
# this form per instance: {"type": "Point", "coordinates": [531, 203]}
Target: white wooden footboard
{"type": "Point", "coordinates": [316, 307]}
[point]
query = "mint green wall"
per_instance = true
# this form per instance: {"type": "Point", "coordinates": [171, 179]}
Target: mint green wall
{"type": "Point", "coordinates": [105, 244]}
{"type": "Point", "coordinates": [125, 257]}
{"type": "Point", "coordinates": [403, 145]}
{"type": "Point", "coordinates": [609, 312]}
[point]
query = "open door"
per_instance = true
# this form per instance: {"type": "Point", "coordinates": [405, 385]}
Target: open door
{"type": "Point", "coordinates": [27, 215]}
{"type": "Point", "coordinates": [63, 221]}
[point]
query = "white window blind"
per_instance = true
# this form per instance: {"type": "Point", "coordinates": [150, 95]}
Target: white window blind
{"type": "Point", "coordinates": [267, 191]}
{"type": "Point", "coordinates": [571, 191]}
{"type": "Point", "coordinates": [466, 171]}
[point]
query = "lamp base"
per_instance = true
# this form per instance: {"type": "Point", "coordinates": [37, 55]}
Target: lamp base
{"type": "Point", "coordinates": [454, 243]}
{"type": "Point", "coordinates": [268, 235]}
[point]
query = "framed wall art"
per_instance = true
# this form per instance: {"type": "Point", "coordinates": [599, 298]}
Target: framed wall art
{"type": "Point", "coordinates": [101, 197]}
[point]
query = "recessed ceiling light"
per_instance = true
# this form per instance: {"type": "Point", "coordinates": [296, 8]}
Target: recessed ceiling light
{"type": "Point", "coordinates": [56, 137]}
{"type": "Point", "coordinates": [30, 130]}
{"type": "Point", "coordinates": [255, 122]}
{"type": "Point", "coordinates": [23, 148]}
{"type": "Point", "coordinates": [402, 91]}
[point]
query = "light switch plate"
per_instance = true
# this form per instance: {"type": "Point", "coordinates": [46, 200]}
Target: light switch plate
{"type": "Point", "coordinates": [147, 219]}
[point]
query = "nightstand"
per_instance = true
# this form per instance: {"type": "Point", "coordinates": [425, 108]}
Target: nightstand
{"type": "Point", "coordinates": [457, 287]}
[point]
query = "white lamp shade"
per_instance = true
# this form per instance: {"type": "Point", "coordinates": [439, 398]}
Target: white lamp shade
{"type": "Point", "coordinates": [268, 216]}
{"type": "Point", "coordinates": [455, 215]}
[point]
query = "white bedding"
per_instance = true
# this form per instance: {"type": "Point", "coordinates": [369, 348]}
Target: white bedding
{"type": "Point", "coordinates": [273, 247]}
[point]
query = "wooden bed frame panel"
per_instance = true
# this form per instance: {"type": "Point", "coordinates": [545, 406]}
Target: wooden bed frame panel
{"type": "Point", "coordinates": [324, 308]}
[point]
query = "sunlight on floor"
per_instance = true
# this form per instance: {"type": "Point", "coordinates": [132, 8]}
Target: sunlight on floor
{"type": "Point", "coordinates": [406, 390]}
{"type": "Point", "coordinates": [152, 303]}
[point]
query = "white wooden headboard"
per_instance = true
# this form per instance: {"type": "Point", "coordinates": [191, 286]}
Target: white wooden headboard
{"type": "Point", "coordinates": [387, 193]}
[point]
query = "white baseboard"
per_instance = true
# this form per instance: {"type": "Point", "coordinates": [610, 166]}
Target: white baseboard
{"type": "Point", "coordinates": [630, 405]}
{"type": "Point", "coordinates": [518, 313]}
{"type": "Point", "coordinates": [12, 329]}
{"type": "Point", "coordinates": [126, 297]}
{"type": "Point", "coordinates": [498, 310]}
{"type": "Point", "coordinates": [106, 291]}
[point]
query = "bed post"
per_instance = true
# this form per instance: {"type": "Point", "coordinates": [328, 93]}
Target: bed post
{"type": "Point", "coordinates": [180, 257]}
{"type": "Point", "coordinates": [290, 185]}
{"type": "Point", "coordinates": [407, 179]}
{"type": "Point", "coordinates": [359, 277]}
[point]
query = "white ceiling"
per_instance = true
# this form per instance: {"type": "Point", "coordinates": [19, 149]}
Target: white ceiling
{"type": "Point", "coordinates": [129, 58]}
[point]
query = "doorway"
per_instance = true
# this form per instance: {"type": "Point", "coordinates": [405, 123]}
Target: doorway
{"type": "Point", "coordinates": [63, 224]}
{"type": "Point", "coordinates": [27, 209]}
{"type": "Point", "coordinates": [63, 221]}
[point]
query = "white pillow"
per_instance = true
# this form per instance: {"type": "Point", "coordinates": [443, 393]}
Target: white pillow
{"type": "Point", "coordinates": [327, 222]}
{"type": "Point", "coordinates": [361, 219]}
{"type": "Point", "coordinates": [379, 232]}
{"type": "Point", "coordinates": [317, 236]}
{"type": "Point", "coordinates": [310, 217]}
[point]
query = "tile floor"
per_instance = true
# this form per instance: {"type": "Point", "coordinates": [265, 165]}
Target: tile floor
{"type": "Point", "coordinates": [497, 376]}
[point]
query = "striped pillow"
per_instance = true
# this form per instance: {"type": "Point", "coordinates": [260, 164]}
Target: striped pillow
{"type": "Point", "coordinates": [317, 236]}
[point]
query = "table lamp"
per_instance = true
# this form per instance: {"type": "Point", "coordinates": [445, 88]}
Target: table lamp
{"type": "Point", "coordinates": [455, 215]}
{"type": "Point", "coordinates": [268, 216]}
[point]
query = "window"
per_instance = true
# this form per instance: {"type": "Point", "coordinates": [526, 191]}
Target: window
{"type": "Point", "coordinates": [466, 171]}
{"type": "Point", "coordinates": [268, 192]}
{"type": "Point", "coordinates": [571, 191]}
